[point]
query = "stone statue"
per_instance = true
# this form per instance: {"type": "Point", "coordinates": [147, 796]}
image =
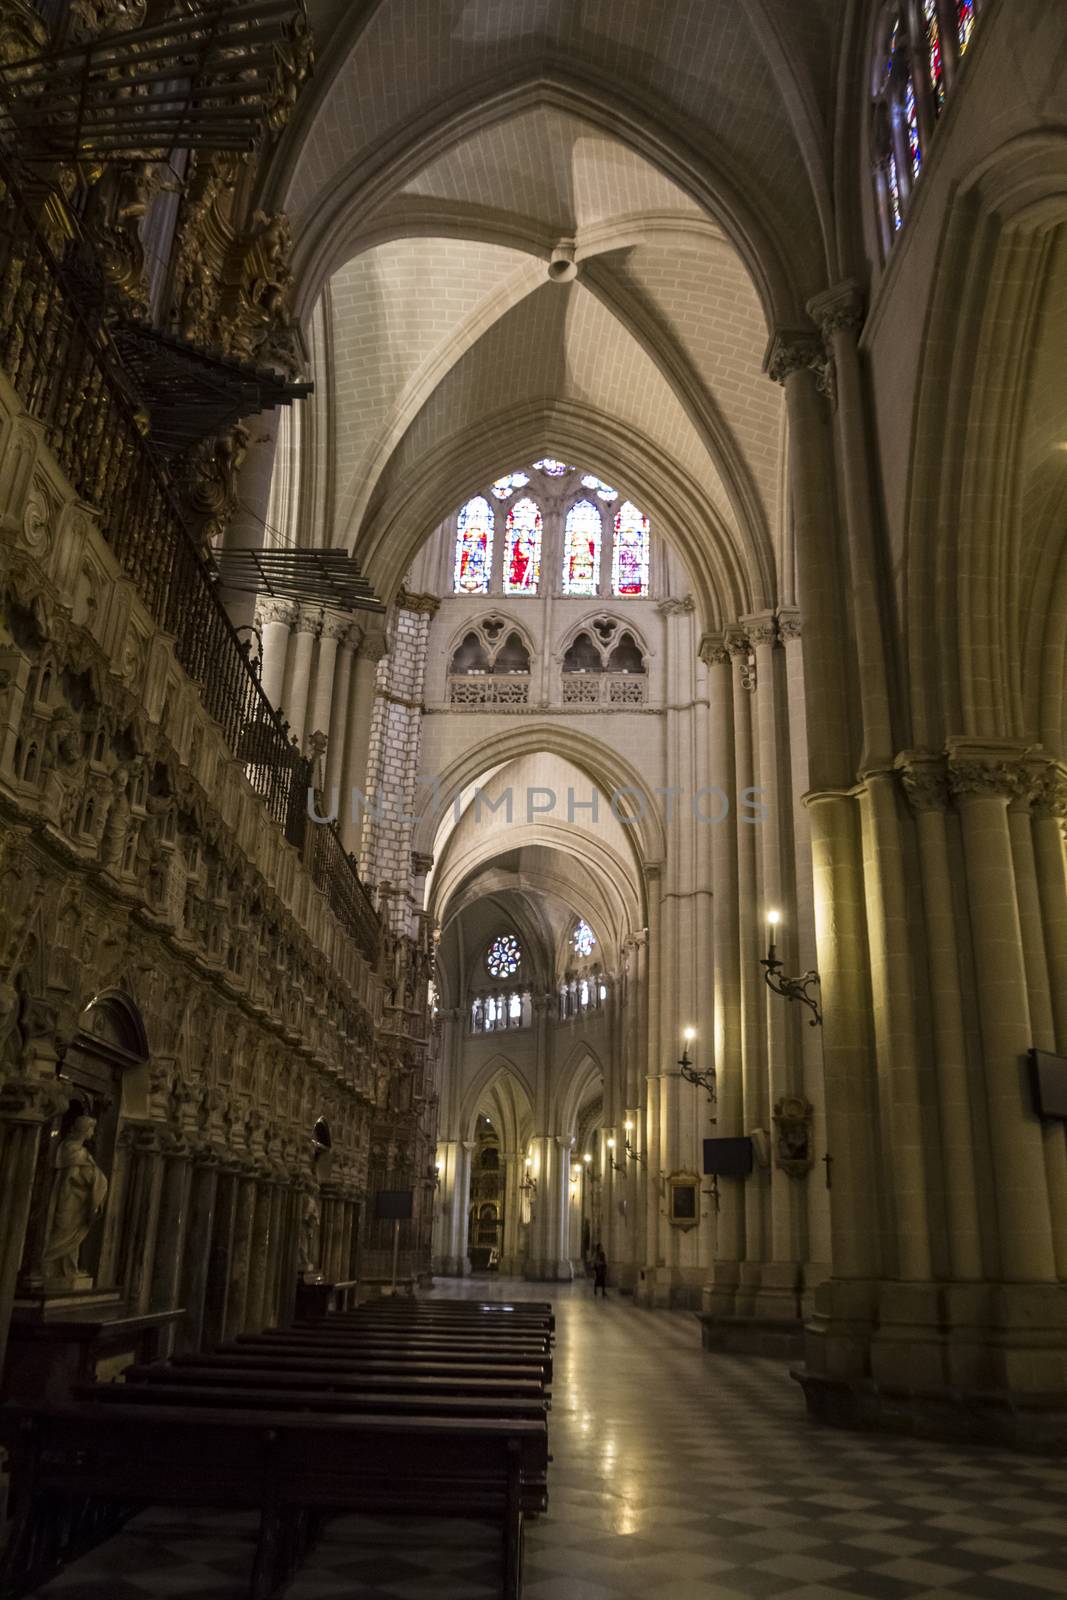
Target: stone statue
{"type": "Point", "coordinates": [309, 1235]}
{"type": "Point", "coordinates": [113, 842]}
{"type": "Point", "coordinates": [79, 1190]}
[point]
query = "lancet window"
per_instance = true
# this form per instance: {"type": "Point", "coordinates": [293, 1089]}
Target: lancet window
{"type": "Point", "coordinates": [918, 54]}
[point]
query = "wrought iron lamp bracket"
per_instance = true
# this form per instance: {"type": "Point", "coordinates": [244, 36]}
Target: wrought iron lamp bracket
{"type": "Point", "coordinates": [792, 988]}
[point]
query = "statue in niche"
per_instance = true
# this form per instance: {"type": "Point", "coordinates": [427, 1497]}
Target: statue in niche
{"type": "Point", "coordinates": [310, 1229]}
{"type": "Point", "coordinates": [79, 1190]}
{"type": "Point", "coordinates": [116, 827]}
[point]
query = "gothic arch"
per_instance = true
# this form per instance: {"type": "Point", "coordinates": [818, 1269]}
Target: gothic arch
{"type": "Point", "coordinates": [606, 767]}
{"type": "Point", "coordinates": [991, 657]}
{"type": "Point", "coordinates": [637, 120]}
{"type": "Point", "coordinates": [498, 1069]}
{"type": "Point", "coordinates": [728, 578]}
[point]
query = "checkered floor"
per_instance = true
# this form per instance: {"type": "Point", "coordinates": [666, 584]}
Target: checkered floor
{"type": "Point", "coordinates": [677, 1476]}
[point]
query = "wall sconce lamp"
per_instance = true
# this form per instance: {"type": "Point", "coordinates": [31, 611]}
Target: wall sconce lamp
{"type": "Point", "coordinates": [529, 1182]}
{"type": "Point", "coordinates": [702, 1080]}
{"type": "Point", "coordinates": [616, 1166]}
{"type": "Point", "coordinates": [634, 1155]}
{"type": "Point", "coordinates": [789, 988]}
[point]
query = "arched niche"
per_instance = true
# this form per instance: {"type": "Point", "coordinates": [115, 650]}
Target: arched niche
{"type": "Point", "coordinates": [105, 1073]}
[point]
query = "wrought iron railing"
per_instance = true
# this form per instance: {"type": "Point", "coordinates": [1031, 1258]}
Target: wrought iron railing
{"type": "Point", "coordinates": [59, 363]}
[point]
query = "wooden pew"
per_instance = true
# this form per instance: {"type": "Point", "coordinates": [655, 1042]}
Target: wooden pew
{"type": "Point", "coordinates": [452, 1351]}
{"type": "Point", "coordinates": [301, 1397]}
{"type": "Point", "coordinates": [279, 1357]}
{"type": "Point", "coordinates": [229, 1376]}
{"type": "Point", "coordinates": [272, 1461]}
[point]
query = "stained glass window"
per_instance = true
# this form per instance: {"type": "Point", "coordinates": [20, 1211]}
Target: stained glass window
{"type": "Point", "coordinates": [602, 490]}
{"type": "Point", "coordinates": [933, 47]}
{"type": "Point", "coordinates": [522, 551]}
{"type": "Point", "coordinates": [581, 549]}
{"type": "Point", "coordinates": [965, 12]}
{"type": "Point", "coordinates": [503, 956]}
{"type": "Point", "coordinates": [911, 118]}
{"type": "Point", "coordinates": [474, 547]}
{"type": "Point", "coordinates": [629, 565]}
{"type": "Point", "coordinates": [583, 939]}
{"type": "Point", "coordinates": [893, 185]}
{"type": "Point", "coordinates": [555, 469]}
{"type": "Point", "coordinates": [503, 487]}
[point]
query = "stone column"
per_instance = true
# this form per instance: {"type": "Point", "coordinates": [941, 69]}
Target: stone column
{"type": "Point", "coordinates": [141, 1212]}
{"type": "Point", "coordinates": [298, 674]}
{"type": "Point", "coordinates": [26, 1105]}
{"type": "Point", "coordinates": [196, 1255]}
{"type": "Point", "coordinates": [275, 620]}
{"type": "Point", "coordinates": [779, 1289]}
{"type": "Point", "coordinates": [984, 781]}
{"type": "Point", "coordinates": [725, 1265]}
{"type": "Point", "coordinates": [752, 990]}
{"type": "Point", "coordinates": [276, 1248]}
{"type": "Point", "coordinates": [363, 684]}
{"type": "Point", "coordinates": [839, 315]}
{"type": "Point", "coordinates": [335, 749]}
{"type": "Point", "coordinates": [926, 786]}
{"type": "Point", "coordinates": [259, 1255]}
{"type": "Point", "coordinates": [844, 1308]}
{"type": "Point", "coordinates": [1042, 1023]}
{"type": "Point", "coordinates": [217, 1287]}
{"type": "Point", "coordinates": [513, 1163]}
{"type": "Point", "coordinates": [240, 1255]}
{"type": "Point", "coordinates": [170, 1233]}
{"type": "Point", "coordinates": [335, 626]}
{"type": "Point", "coordinates": [452, 1259]}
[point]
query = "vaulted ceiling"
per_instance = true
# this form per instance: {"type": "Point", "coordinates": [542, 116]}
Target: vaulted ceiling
{"type": "Point", "coordinates": [447, 147]}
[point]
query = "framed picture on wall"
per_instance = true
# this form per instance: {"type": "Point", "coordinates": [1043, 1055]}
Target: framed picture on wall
{"type": "Point", "coordinates": [683, 1199]}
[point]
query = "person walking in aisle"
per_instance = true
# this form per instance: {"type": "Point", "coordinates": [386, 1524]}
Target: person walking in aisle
{"type": "Point", "coordinates": [600, 1272]}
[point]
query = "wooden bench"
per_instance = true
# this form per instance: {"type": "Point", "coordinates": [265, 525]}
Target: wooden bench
{"type": "Point", "coordinates": [453, 1351]}
{"type": "Point", "coordinates": [281, 1465]}
{"type": "Point", "coordinates": [289, 1397]}
{"type": "Point", "coordinates": [230, 1376]}
{"type": "Point", "coordinates": [250, 1356]}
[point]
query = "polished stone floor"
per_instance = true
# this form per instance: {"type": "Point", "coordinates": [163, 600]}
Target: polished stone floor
{"type": "Point", "coordinates": [677, 1476]}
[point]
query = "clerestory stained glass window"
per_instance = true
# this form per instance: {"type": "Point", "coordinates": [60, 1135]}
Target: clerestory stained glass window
{"type": "Point", "coordinates": [554, 469]}
{"type": "Point", "coordinates": [522, 550]}
{"type": "Point", "coordinates": [932, 25]}
{"type": "Point", "coordinates": [474, 547]}
{"type": "Point", "coordinates": [603, 491]}
{"type": "Point", "coordinates": [504, 956]}
{"type": "Point", "coordinates": [583, 939]}
{"type": "Point", "coordinates": [629, 562]}
{"type": "Point", "coordinates": [503, 488]}
{"type": "Point", "coordinates": [919, 48]}
{"type": "Point", "coordinates": [965, 11]}
{"type": "Point", "coordinates": [581, 549]}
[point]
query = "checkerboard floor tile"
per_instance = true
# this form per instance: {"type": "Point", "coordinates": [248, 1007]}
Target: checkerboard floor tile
{"type": "Point", "coordinates": [677, 1475]}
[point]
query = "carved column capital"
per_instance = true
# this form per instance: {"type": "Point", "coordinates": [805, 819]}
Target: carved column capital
{"type": "Point", "coordinates": [336, 625]}
{"type": "Point", "coordinates": [761, 629]}
{"type": "Point", "coordinates": [1050, 793]}
{"type": "Point", "coordinates": [270, 610]}
{"type": "Point", "coordinates": [373, 647]}
{"type": "Point", "coordinates": [426, 604]}
{"type": "Point", "coordinates": [791, 351]}
{"type": "Point", "coordinates": [740, 649]}
{"type": "Point", "coordinates": [925, 781]}
{"type": "Point", "coordinates": [838, 310]}
{"type": "Point", "coordinates": [789, 624]}
{"type": "Point", "coordinates": [310, 620]}
{"type": "Point", "coordinates": [31, 1100]}
{"type": "Point", "coordinates": [975, 778]}
{"type": "Point", "coordinates": [713, 651]}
